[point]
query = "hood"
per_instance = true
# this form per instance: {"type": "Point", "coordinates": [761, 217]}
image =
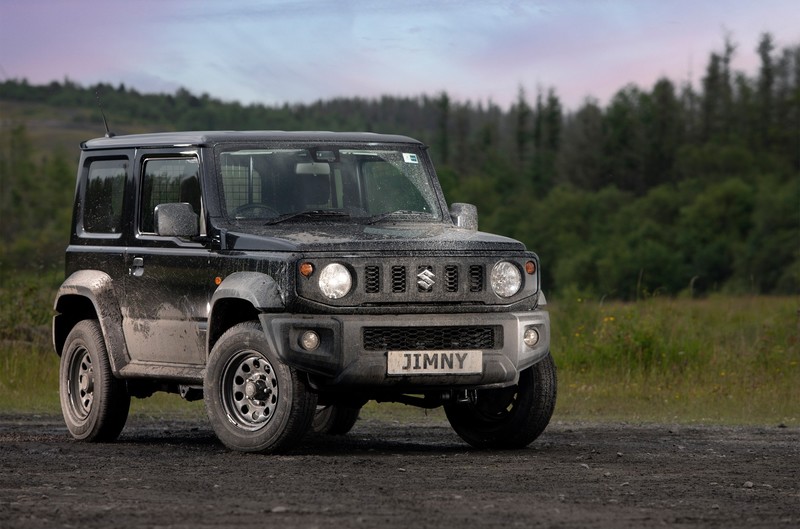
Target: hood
{"type": "Point", "coordinates": [348, 237]}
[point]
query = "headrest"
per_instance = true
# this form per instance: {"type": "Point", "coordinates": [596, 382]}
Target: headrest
{"type": "Point", "coordinates": [319, 168]}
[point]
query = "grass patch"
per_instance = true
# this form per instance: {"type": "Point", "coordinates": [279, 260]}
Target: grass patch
{"type": "Point", "coordinates": [28, 378]}
{"type": "Point", "coordinates": [718, 360]}
{"type": "Point", "coordinates": [28, 366]}
{"type": "Point", "coordinates": [729, 360]}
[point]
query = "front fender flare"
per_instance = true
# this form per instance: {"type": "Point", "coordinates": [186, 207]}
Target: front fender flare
{"type": "Point", "coordinates": [260, 290]}
{"type": "Point", "coordinates": [241, 297]}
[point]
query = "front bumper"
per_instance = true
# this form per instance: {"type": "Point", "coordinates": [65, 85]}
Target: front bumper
{"type": "Point", "coordinates": [344, 359]}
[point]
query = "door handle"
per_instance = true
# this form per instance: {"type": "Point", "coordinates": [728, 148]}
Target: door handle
{"type": "Point", "coordinates": [137, 269]}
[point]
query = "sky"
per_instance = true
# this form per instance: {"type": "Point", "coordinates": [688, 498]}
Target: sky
{"type": "Point", "coordinates": [282, 51]}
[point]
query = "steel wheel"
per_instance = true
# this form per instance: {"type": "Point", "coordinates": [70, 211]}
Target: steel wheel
{"type": "Point", "coordinates": [255, 403]}
{"type": "Point", "coordinates": [250, 390]}
{"type": "Point", "coordinates": [80, 383]}
{"type": "Point", "coordinates": [94, 403]}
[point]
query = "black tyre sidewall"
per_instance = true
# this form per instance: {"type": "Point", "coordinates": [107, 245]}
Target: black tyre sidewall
{"type": "Point", "coordinates": [335, 419]}
{"type": "Point", "coordinates": [536, 390]}
{"type": "Point", "coordinates": [111, 404]}
{"type": "Point", "coordinates": [293, 412]}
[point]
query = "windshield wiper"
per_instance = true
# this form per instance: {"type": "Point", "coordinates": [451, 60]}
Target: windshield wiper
{"type": "Point", "coordinates": [398, 212]}
{"type": "Point", "coordinates": [307, 213]}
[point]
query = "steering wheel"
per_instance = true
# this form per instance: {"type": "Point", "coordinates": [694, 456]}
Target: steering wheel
{"type": "Point", "coordinates": [251, 211]}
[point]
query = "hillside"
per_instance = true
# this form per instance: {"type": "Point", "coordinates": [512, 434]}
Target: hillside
{"type": "Point", "coordinates": [51, 128]}
{"type": "Point", "coordinates": [672, 189]}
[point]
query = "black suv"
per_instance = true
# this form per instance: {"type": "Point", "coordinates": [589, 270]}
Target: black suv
{"type": "Point", "coordinates": [288, 278]}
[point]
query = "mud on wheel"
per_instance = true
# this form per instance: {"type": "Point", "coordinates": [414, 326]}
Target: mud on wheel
{"type": "Point", "coordinates": [254, 402]}
{"type": "Point", "coordinates": [95, 405]}
{"type": "Point", "coordinates": [508, 417]}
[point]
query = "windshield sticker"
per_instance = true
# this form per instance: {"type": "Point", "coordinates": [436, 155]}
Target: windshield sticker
{"type": "Point", "coordinates": [410, 158]}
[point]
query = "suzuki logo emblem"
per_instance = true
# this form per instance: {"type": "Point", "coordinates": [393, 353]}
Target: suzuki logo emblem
{"type": "Point", "coordinates": [426, 279]}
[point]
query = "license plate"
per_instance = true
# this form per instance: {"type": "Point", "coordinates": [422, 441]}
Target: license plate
{"type": "Point", "coordinates": [435, 362]}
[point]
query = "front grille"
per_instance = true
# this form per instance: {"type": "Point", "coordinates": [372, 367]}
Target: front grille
{"type": "Point", "coordinates": [432, 338]}
{"type": "Point", "coordinates": [452, 283]}
{"type": "Point", "coordinates": [424, 278]}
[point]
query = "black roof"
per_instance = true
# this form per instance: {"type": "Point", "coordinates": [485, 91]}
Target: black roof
{"type": "Point", "coordinates": [201, 138]}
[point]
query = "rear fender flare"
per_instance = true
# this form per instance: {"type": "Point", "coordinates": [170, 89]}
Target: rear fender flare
{"type": "Point", "coordinates": [96, 288]}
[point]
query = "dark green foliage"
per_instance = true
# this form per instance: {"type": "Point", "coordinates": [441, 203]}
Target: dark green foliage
{"type": "Point", "coordinates": [36, 204]}
{"type": "Point", "coordinates": [667, 190]}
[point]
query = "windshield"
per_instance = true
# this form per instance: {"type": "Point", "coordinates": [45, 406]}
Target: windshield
{"type": "Point", "coordinates": [372, 183]}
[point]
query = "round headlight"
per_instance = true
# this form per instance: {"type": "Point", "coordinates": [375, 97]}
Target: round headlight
{"type": "Point", "coordinates": [506, 279]}
{"type": "Point", "coordinates": [335, 281]}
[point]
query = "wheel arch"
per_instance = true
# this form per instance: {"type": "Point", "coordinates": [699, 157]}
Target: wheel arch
{"type": "Point", "coordinates": [89, 294]}
{"type": "Point", "coordinates": [241, 297]}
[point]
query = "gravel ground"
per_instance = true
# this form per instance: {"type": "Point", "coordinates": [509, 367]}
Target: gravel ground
{"type": "Point", "coordinates": [389, 473]}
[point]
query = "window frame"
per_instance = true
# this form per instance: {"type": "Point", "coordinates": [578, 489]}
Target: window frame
{"type": "Point", "coordinates": [86, 168]}
{"type": "Point", "coordinates": [435, 200]}
{"type": "Point", "coordinates": [143, 161]}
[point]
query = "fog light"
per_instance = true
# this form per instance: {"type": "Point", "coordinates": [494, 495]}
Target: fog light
{"type": "Point", "coordinates": [531, 337]}
{"type": "Point", "coordinates": [309, 340]}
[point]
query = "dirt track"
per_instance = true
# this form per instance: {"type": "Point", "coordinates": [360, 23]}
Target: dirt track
{"type": "Point", "coordinates": [173, 473]}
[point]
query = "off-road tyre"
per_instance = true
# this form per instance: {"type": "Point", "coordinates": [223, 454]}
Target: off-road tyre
{"type": "Point", "coordinates": [255, 403]}
{"type": "Point", "coordinates": [94, 403]}
{"type": "Point", "coordinates": [508, 418]}
{"type": "Point", "coordinates": [335, 419]}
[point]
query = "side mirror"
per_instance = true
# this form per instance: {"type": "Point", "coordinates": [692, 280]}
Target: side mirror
{"type": "Point", "coordinates": [177, 220]}
{"type": "Point", "coordinates": [464, 215]}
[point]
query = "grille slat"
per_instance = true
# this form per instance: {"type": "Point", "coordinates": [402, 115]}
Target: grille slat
{"type": "Point", "coordinates": [372, 279]}
{"type": "Point", "coordinates": [475, 278]}
{"type": "Point", "coordinates": [451, 278]}
{"type": "Point", "coordinates": [431, 338]}
{"type": "Point", "coordinates": [398, 279]}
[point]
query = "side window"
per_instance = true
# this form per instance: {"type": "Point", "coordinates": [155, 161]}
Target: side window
{"type": "Point", "coordinates": [167, 180]}
{"type": "Point", "coordinates": [104, 194]}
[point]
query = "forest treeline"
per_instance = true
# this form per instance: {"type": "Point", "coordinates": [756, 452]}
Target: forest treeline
{"type": "Point", "coordinates": [681, 188]}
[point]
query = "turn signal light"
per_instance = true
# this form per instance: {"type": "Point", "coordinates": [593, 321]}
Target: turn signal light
{"type": "Point", "coordinates": [306, 269]}
{"type": "Point", "coordinates": [530, 268]}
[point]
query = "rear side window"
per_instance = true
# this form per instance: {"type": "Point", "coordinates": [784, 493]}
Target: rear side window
{"type": "Point", "coordinates": [104, 196]}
